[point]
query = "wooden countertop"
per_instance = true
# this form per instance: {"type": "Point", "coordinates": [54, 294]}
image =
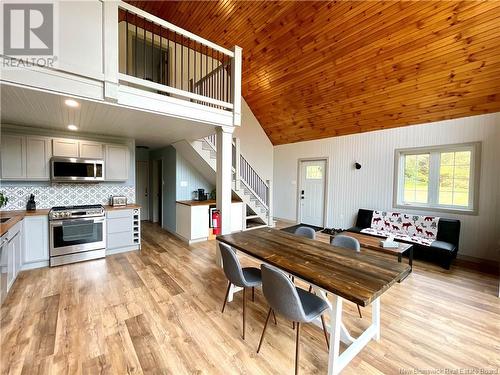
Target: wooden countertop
{"type": "Point", "coordinates": [16, 216]}
{"type": "Point", "coordinates": [127, 207]}
{"type": "Point", "coordinates": [208, 202]}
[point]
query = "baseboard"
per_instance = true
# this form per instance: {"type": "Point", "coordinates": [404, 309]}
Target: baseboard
{"type": "Point", "coordinates": [287, 221]}
{"type": "Point", "coordinates": [121, 250]}
{"type": "Point", "coordinates": [32, 266]}
{"type": "Point", "coordinates": [478, 264]}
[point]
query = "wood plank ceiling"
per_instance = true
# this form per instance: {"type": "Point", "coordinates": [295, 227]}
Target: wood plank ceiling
{"type": "Point", "coordinates": [319, 69]}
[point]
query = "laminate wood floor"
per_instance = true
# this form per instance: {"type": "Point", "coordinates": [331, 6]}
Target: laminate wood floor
{"type": "Point", "coordinates": [158, 312]}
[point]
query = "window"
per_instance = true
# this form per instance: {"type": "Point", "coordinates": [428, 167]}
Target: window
{"type": "Point", "coordinates": [314, 172]}
{"type": "Point", "coordinates": [438, 178]}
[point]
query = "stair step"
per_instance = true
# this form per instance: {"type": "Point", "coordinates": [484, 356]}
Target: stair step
{"type": "Point", "coordinates": [255, 227]}
{"type": "Point", "coordinates": [252, 217]}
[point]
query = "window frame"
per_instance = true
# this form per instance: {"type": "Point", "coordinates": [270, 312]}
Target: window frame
{"type": "Point", "coordinates": [434, 171]}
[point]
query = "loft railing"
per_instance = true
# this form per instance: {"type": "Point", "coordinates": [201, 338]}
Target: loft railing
{"type": "Point", "coordinates": [160, 57]}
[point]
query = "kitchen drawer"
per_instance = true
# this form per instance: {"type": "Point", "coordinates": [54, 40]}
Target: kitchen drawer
{"type": "Point", "coordinates": [115, 214]}
{"type": "Point", "coordinates": [122, 224]}
{"type": "Point", "coordinates": [123, 239]}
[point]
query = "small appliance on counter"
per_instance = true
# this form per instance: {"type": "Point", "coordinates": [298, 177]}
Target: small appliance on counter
{"type": "Point", "coordinates": [117, 200]}
{"type": "Point", "coordinates": [200, 195]}
{"type": "Point", "coordinates": [31, 204]}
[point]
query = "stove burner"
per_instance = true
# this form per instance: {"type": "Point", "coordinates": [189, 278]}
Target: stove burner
{"type": "Point", "coordinates": [75, 212]}
{"type": "Point", "coordinates": [81, 207]}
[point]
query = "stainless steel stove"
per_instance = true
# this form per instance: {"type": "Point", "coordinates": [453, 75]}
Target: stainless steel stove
{"type": "Point", "coordinates": [77, 233]}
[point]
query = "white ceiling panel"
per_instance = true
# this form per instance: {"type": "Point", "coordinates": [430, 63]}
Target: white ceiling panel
{"type": "Point", "coordinates": [40, 109]}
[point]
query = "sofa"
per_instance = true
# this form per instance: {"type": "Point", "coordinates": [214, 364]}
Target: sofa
{"type": "Point", "coordinates": [434, 238]}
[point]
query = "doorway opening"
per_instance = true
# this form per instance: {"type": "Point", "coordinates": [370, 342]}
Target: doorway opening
{"type": "Point", "coordinates": [157, 184]}
{"type": "Point", "coordinates": [142, 187]}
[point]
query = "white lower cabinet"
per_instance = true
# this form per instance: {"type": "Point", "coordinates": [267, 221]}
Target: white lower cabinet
{"type": "Point", "coordinates": [36, 242]}
{"type": "Point", "coordinates": [120, 231]}
{"type": "Point", "coordinates": [10, 262]}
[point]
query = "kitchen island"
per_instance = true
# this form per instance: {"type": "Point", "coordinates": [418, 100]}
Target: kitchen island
{"type": "Point", "coordinates": [192, 219]}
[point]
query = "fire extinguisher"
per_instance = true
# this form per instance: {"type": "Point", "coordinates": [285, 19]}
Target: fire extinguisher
{"type": "Point", "coordinates": [216, 218]}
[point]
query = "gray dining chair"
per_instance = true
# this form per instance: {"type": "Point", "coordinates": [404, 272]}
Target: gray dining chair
{"type": "Point", "coordinates": [248, 277]}
{"type": "Point", "coordinates": [291, 302]}
{"type": "Point", "coordinates": [347, 242]}
{"type": "Point", "coordinates": [305, 232]}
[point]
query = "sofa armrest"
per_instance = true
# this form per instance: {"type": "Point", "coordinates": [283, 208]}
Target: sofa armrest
{"type": "Point", "coordinates": [364, 219]}
{"type": "Point", "coordinates": [449, 231]}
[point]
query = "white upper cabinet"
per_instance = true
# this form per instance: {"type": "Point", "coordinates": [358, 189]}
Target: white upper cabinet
{"type": "Point", "coordinates": [27, 158]}
{"type": "Point", "coordinates": [116, 163]}
{"type": "Point", "coordinates": [65, 147]}
{"type": "Point", "coordinates": [13, 155]}
{"type": "Point", "coordinates": [38, 153]}
{"type": "Point", "coordinates": [93, 150]}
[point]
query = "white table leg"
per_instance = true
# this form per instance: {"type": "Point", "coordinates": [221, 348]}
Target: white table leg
{"type": "Point", "coordinates": [339, 333]}
{"type": "Point", "coordinates": [233, 289]}
{"type": "Point", "coordinates": [345, 337]}
{"type": "Point", "coordinates": [335, 323]}
{"type": "Point", "coordinates": [376, 318]}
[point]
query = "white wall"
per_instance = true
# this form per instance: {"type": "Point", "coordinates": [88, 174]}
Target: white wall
{"type": "Point", "coordinates": [256, 147]}
{"type": "Point", "coordinates": [372, 186]}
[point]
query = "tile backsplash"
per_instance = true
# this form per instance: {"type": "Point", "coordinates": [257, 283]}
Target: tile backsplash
{"type": "Point", "coordinates": [47, 196]}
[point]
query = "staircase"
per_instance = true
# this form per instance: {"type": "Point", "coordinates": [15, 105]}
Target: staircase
{"type": "Point", "coordinates": [252, 190]}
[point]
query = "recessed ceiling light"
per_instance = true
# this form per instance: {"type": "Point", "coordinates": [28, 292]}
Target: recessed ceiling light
{"type": "Point", "coordinates": [71, 103]}
{"type": "Point", "coordinates": [72, 127]}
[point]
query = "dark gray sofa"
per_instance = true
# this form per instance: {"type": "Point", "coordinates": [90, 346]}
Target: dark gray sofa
{"type": "Point", "coordinates": [441, 251]}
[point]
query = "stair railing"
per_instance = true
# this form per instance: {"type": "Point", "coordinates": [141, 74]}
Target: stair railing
{"type": "Point", "coordinates": [245, 173]}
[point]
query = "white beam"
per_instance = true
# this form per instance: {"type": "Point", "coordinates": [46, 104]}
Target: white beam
{"type": "Point", "coordinates": [110, 32]}
{"type": "Point", "coordinates": [224, 171]}
{"type": "Point", "coordinates": [236, 85]}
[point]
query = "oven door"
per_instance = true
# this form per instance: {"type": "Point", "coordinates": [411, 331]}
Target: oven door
{"type": "Point", "coordinates": [77, 235]}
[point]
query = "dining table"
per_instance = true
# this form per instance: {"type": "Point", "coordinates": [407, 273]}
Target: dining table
{"type": "Point", "coordinates": [335, 274]}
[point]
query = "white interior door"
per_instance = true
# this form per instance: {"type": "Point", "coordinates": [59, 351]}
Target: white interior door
{"type": "Point", "coordinates": [312, 192]}
{"type": "Point", "coordinates": [142, 187]}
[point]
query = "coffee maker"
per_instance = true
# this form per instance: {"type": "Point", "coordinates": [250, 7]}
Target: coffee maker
{"type": "Point", "coordinates": [202, 196]}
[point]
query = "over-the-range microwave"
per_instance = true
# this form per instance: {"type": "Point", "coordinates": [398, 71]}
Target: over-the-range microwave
{"type": "Point", "coordinates": [63, 169]}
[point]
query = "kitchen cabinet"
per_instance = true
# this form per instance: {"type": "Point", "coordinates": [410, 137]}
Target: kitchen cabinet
{"type": "Point", "coordinates": [38, 153]}
{"type": "Point", "coordinates": [25, 157]}
{"type": "Point", "coordinates": [4, 261]}
{"type": "Point", "coordinates": [192, 222]}
{"type": "Point", "coordinates": [117, 161]}
{"type": "Point", "coordinates": [65, 147]}
{"type": "Point", "coordinates": [120, 231]}
{"type": "Point", "coordinates": [92, 150]}
{"type": "Point", "coordinates": [13, 254]}
{"type": "Point", "coordinates": [36, 242]}
{"type": "Point", "coordinates": [13, 154]}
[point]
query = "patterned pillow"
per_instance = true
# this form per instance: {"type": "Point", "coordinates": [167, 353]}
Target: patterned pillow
{"type": "Point", "coordinates": [407, 227]}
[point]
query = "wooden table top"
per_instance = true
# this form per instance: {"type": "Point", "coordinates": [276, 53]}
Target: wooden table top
{"type": "Point", "coordinates": [358, 277]}
{"type": "Point", "coordinates": [373, 243]}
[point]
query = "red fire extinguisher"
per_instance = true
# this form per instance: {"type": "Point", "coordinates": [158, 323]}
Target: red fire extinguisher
{"type": "Point", "coordinates": [216, 219]}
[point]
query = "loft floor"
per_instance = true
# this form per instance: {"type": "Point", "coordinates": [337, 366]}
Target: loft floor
{"type": "Point", "coordinates": [158, 311]}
